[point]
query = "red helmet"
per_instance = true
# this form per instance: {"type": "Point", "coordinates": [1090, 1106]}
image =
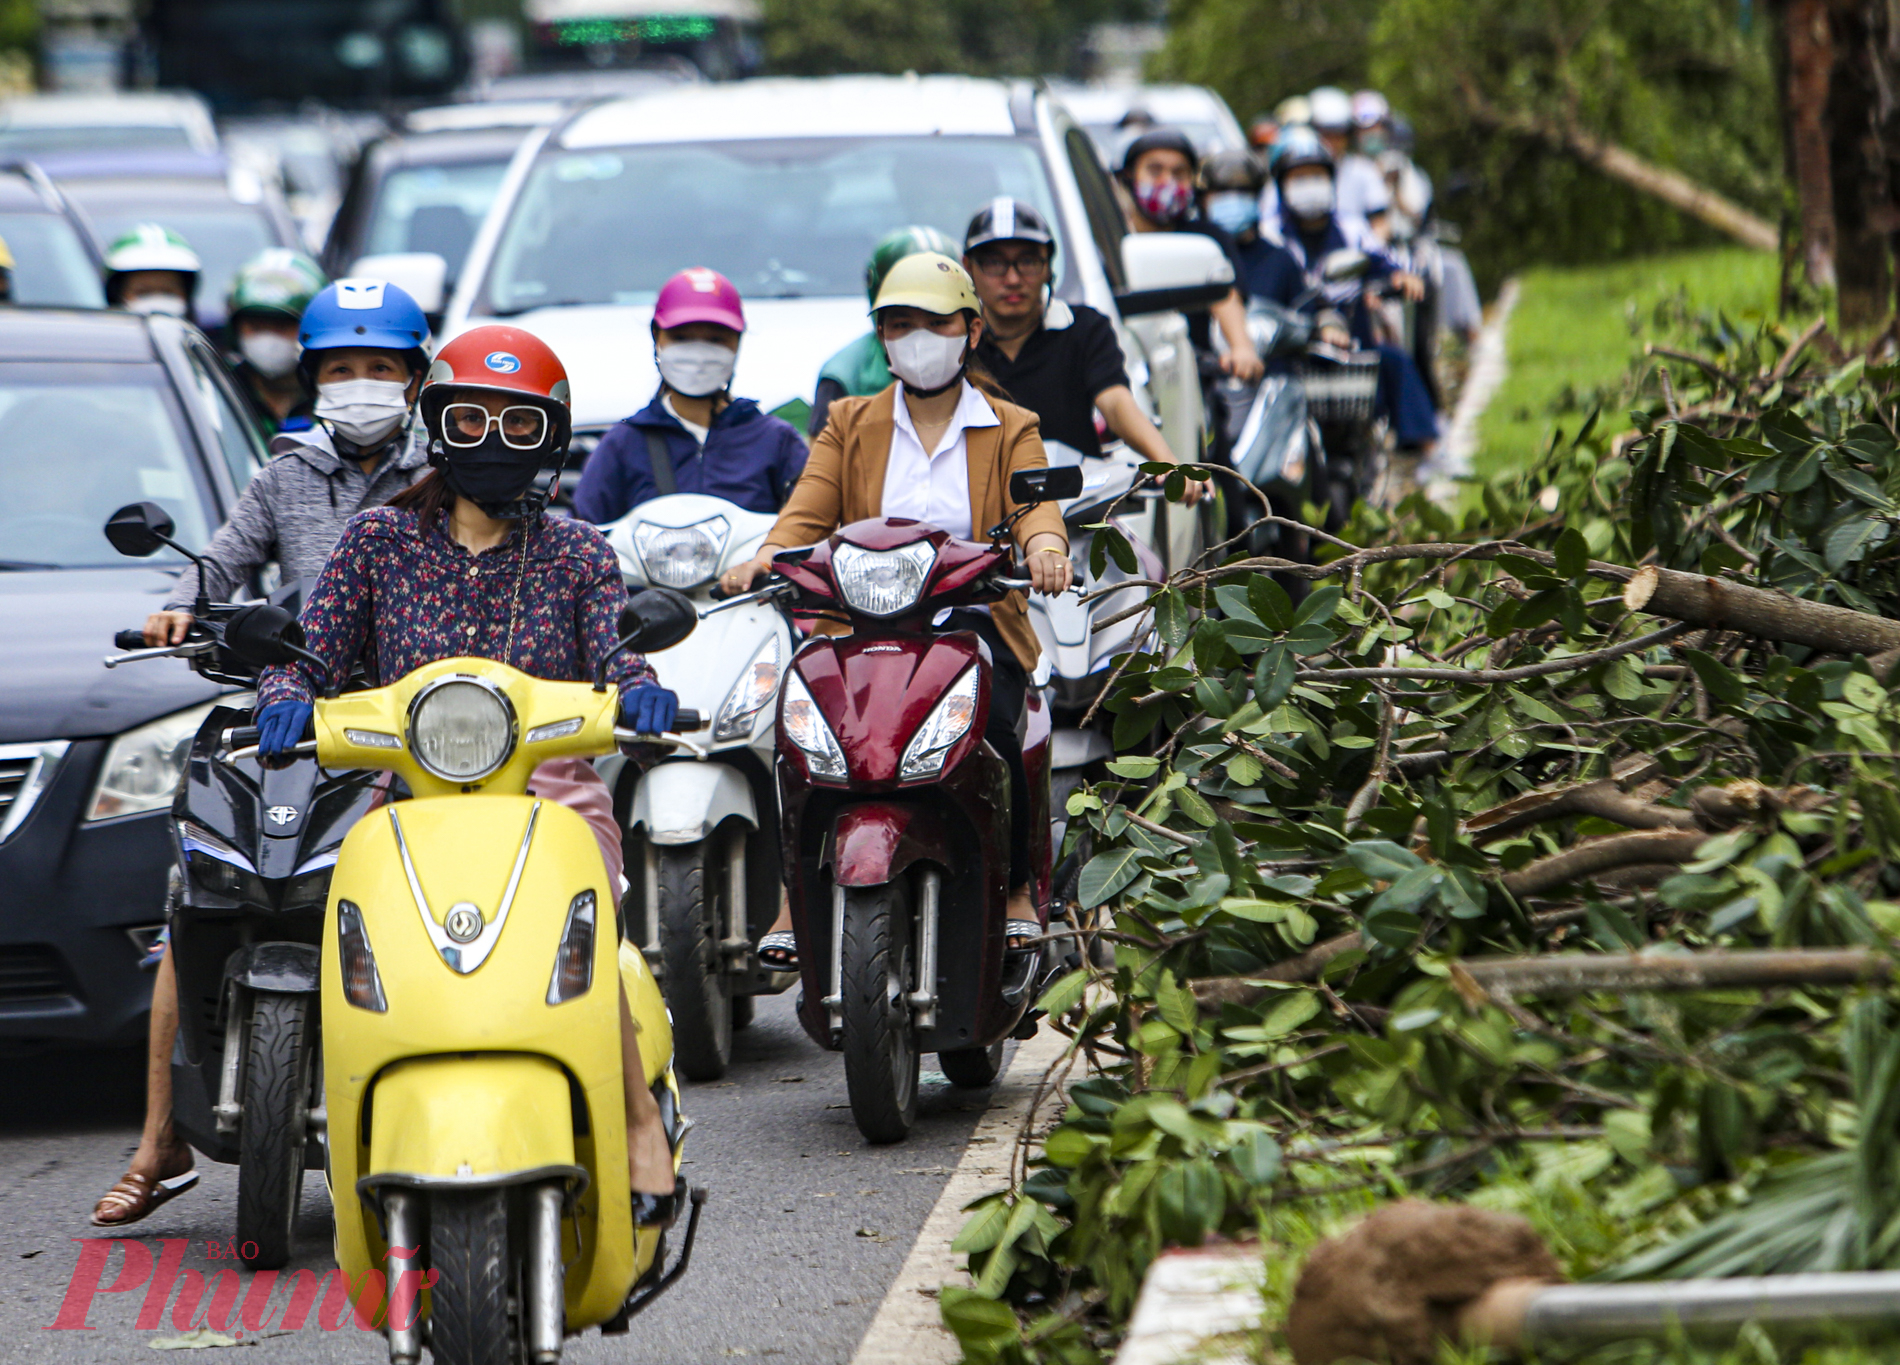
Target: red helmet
{"type": "Point", "coordinates": [503, 360]}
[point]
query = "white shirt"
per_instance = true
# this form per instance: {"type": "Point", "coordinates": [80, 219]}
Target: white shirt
{"type": "Point", "coordinates": [935, 487]}
{"type": "Point", "coordinates": [693, 429]}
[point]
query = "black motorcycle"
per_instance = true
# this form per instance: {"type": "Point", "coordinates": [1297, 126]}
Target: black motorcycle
{"type": "Point", "coordinates": [255, 849]}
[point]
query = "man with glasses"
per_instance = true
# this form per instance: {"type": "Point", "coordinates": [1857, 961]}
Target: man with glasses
{"type": "Point", "coordinates": [1060, 360]}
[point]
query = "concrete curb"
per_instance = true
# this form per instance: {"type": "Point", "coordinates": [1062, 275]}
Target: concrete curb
{"type": "Point", "coordinates": [1488, 367]}
{"type": "Point", "coordinates": [908, 1329]}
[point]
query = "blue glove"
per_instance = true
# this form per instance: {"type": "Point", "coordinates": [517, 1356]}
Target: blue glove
{"type": "Point", "coordinates": [281, 725]}
{"type": "Point", "coordinates": [648, 709]}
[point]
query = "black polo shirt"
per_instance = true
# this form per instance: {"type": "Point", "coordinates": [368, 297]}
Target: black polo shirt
{"type": "Point", "coordinates": [1062, 365]}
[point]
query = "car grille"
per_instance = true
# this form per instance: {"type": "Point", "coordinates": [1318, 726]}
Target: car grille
{"type": "Point", "coordinates": [25, 772]}
{"type": "Point", "coordinates": [13, 771]}
{"type": "Point", "coordinates": [32, 971]}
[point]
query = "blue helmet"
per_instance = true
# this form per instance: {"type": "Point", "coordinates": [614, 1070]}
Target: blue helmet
{"type": "Point", "coordinates": [1299, 146]}
{"type": "Point", "coordinates": [363, 312]}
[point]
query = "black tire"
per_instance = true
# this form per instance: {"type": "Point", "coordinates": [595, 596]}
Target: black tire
{"type": "Point", "coordinates": [880, 1049]}
{"type": "Point", "coordinates": [278, 1066]}
{"type": "Point", "coordinates": [972, 1068]}
{"type": "Point", "coordinates": [468, 1307]}
{"type": "Point", "coordinates": [742, 1011]}
{"type": "Point", "coordinates": [698, 990]}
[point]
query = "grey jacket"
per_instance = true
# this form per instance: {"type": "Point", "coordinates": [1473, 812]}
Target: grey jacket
{"type": "Point", "coordinates": [293, 511]}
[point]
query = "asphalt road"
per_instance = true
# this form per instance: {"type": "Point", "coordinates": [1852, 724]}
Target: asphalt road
{"type": "Point", "coordinates": [806, 1227]}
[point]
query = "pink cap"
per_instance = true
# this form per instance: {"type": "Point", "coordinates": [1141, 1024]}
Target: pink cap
{"type": "Point", "coordinates": [699, 295]}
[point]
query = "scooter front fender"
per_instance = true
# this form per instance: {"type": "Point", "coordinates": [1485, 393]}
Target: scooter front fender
{"type": "Point", "coordinates": [290, 968]}
{"type": "Point", "coordinates": [469, 1120]}
{"type": "Point", "coordinates": [683, 802]}
{"type": "Point", "coordinates": [873, 842]}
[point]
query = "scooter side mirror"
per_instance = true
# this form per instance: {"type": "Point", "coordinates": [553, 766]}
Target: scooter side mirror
{"type": "Point", "coordinates": [264, 635]}
{"type": "Point", "coordinates": [1344, 264]}
{"type": "Point", "coordinates": [139, 529]}
{"type": "Point", "coordinates": [656, 619]}
{"type": "Point", "coordinates": [1050, 484]}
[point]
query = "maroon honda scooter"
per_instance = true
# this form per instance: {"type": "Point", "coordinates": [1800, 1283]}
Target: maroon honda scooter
{"type": "Point", "coordinates": [896, 814]}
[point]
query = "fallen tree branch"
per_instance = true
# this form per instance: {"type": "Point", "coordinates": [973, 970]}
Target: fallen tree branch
{"type": "Point", "coordinates": [1604, 798]}
{"type": "Point", "coordinates": [1558, 974]}
{"type": "Point", "coordinates": [1713, 602]}
{"type": "Point", "coordinates": [1570, 663]}
{"type": "Point", "coordinates": [1600, 855]}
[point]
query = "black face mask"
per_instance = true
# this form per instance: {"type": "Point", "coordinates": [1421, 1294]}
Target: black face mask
{"type": "Point", "coordinates": [493, 475]}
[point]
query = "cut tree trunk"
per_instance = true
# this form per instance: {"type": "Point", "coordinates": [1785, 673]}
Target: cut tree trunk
{"type": "Point", "coordinates": [1714, 602]}
{"type": "Point", "coordinates": [1580, 973]}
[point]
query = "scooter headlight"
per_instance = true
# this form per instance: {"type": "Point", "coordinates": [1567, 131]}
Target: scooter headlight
{"type": "Point", "coordinates": [805, 726]}
{"type": "Point", "coordinates": [461, 729]}
{"type": "Point", "coordinates": [949, 721]}
{"type": "Point", "coordinates": [681, 557]}
{"type": "Point", "coordinates": [882, 582]}
{"type": "Point", "coordinates": [574, 960]}
{"type": "Point", "coordinates": [362, 986]}
{"type": "Point", "coordinates": [756, 686]}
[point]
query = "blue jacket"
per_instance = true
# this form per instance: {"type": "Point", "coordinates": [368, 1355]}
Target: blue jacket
{"type": "Point", "coordinates": [1281, 270]}
{"type": "Point", "coordinates": [750, 458]}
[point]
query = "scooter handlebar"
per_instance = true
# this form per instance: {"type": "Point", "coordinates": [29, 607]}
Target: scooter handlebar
{"type": "Point", "coordinates": [686, 718]}
{"type": "Point", "coordinates": [128, 639]}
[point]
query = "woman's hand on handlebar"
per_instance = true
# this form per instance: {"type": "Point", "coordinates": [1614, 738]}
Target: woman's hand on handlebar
{"type": "Point", "coordinates": [167, 628]}
{"type": "Point", "coordinates": [744, 577]}
{"type": "Point", "coordinates": [1047, 560]}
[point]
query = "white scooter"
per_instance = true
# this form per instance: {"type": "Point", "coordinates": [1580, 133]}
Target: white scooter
{"type": "Point", "coordinates": [702, 822]}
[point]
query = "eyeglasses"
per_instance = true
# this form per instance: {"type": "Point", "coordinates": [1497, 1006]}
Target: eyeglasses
{"type": "Point", "coordinates": [468, 424]}
{"type": "Point", "coordinates": [996, 267]}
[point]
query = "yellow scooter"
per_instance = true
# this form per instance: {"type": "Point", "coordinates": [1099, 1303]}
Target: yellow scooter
{"type": "Point", "coordinates": [472, 976]}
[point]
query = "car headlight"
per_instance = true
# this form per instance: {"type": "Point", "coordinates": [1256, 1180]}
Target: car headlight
{"type": "Point", "coordinates": [756, 686]}
{"type": "Point", "coordinates": [681, 557]}
{"type": "Point", "coordinates": [805, 726]}
{"type": "Point", "coordinates": [949, 721]}
{"type": "Point", "coordinates": [461, 729]}
{"type": "Point", "coordinates": [882, 582]}
{"type": "Point", "coordinates": [143, 766]}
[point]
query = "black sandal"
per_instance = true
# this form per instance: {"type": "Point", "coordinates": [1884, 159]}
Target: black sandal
{"type": "Point", "coordinates": [778, 951]}
{"type": "Point", "coordinates": [659, 1210]}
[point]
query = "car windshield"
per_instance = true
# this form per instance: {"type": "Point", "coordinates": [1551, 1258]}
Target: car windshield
{"type": "Point", "coordinates": [781, 219]}
{"type": "Point", "coordinates": [74, 447]}
{"type": "Point", "coordinates": [32, 140]}
{"type": "Point", "coordinates": [434, 208]}
{"type": "Point", "coordinates": [223, 237]}
{"type": "Point", "coordinates": [50, 264]}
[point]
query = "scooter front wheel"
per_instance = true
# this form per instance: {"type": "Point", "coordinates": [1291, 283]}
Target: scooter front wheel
{"type": "Point", "coordinates": [693, 896]}
{"type": "Point", "coordinates": [468, 1306]}
{"type": "Point", "coordinates": [880, 1049]}
{"type": "Point", "coordinates": [278, 1069]}
{"type": "Point", "coordinates": [972, 1068]}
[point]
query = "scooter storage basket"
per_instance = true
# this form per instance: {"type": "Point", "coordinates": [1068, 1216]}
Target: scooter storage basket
{"type": "Point", "coordinates": [1341, 391]}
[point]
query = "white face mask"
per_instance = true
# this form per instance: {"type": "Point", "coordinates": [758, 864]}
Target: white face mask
{"type": "Point", "coordinates": [364, 411]}
{"type": "Point", "coordinates": [926, 360]}
{"type": "Point", "coordinates": [170, 305]}
{"type": "Point", "coordinates": [271, 354]}
{"type": "Point", "coordinates": [697, 369]}
{"type": "Point", "coordinates": [1309, 197]}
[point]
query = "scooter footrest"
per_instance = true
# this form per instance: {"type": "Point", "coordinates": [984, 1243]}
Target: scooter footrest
{"type": "Point", "coordinates": [653, 1284]}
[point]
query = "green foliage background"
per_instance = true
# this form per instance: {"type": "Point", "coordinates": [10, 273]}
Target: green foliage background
{"type": "Point", "coordinates": [1688, 85]}
{"type": "Point", "coordinates": [976, 37]}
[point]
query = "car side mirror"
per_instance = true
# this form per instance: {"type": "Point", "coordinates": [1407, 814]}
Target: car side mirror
{"type": "Point", "coordinates": [1344, 264]}
{"type": "Point", "coordinates": [1168, 272]}
{"type": "Point", "coordinates": [1050, 484]}
{"type": "Point", "coordinates": [423, 275]}
{"type": "Point", "coordinates": [139, 529]}
{"type": "Point", "coordinates": [264, 635]}
{"type": "Point", "coordinates": [655, 619]}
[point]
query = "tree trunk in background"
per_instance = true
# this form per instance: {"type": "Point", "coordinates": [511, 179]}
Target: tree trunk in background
{"type": "Point", "coordinates": [1860, 111]}
{"type": "Point", "coordinates": [1807, 36]}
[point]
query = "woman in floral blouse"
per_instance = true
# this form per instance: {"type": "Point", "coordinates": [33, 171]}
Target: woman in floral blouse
{"type": "Point", "coordinates": [464, 564]}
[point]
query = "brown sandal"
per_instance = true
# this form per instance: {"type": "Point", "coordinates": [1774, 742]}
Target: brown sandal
{"type": "Point", "coordinates": [138, 1195]}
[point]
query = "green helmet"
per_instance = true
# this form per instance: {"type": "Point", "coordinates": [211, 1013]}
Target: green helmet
{"type": "Point", "coordinates": [150, 246]}
{"type": "Point", "coordinates": [278, 281]}
{"type": "Point", "coordinates": [906, 241]}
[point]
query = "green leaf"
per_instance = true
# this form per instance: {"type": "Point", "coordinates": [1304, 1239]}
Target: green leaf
{"type": "Point", "coordinates": [1134, 767]}
{"type": "Point", "coordinates": [1844, 542]}
{"type": "Point", "coordinates": [1213, 699]}
{"type": "Point", "coordinates": [1120, 551]}
{"type": "Point", "coordinates": [1256, 1158]}
{"type": "Point", "coordinates": [1863, 693]}
{"type": "Point", "coordinates": [1171, 618]}
{"type": "Point", "coordinates": [1069, 1146]}
{"type": "Point", "coordinates": [1319, 606]}
{"type": "Point", "coordinates": [1270, 603]}
{"type": "Point", "coordinates": [1064, 995]}
{"type": "Point", "coordinates": [1382, 860]}
{"type": "Point", "coordinates": [1105, 874]}
{"type": "Point", "coordinates": [1722, 682]}
{"type": "Point", "coordinates": [1175, 1003]}
{"type": "Point", "coordinates": [1573, 553]}
{"type": "Point", "coordinates": [1273, 677]}
{"type": "Point", "coordinates": [1293, 1010]}
{"type": "Point", "coordinates": [983, 1327]}
{"type": "Point", "coordinates": [1195, 807]}
{"type": "Point", "coordinates": [985, 1228]}
{"type": "Point", "coordinates": [1233, 600]}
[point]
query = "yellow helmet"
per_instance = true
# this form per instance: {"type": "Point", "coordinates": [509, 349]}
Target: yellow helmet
{"type": "Point", "coordinates": [6, 257]}
{"type": "Point", "coordinates": [930, 281]}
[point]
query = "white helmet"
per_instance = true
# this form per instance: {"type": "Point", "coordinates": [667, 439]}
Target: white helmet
{"type": "Point", "coordinates": [1332, 109]}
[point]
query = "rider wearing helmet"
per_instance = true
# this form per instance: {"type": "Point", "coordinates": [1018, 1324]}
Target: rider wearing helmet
{"type": "Point", "coordinates": [265, 308]}
{"type": "Point", "coordinates": [1062, 361]}
{"type": "Point", "coordinates": [465, 564]}
{"type": "Point", "coordinates": [694, 437]}
{"type": "Point", "coordinates": [858, 370]}
{"type": "Point", "coordinates": [363, 353]}
{"type": "Point", "coordinates": [1158, 170]}
{"type": "Point", "coordinates": [1357, 176]}
{"type": "Point", "coordinates": [151, 269]}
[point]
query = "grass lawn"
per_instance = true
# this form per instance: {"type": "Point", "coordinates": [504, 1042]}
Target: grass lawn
{"type": "Point", "coordinates": [1575, 330]}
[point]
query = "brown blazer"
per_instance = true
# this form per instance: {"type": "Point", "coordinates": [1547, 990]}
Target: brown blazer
{"type": "Point", "coordinates": [843, 482]}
